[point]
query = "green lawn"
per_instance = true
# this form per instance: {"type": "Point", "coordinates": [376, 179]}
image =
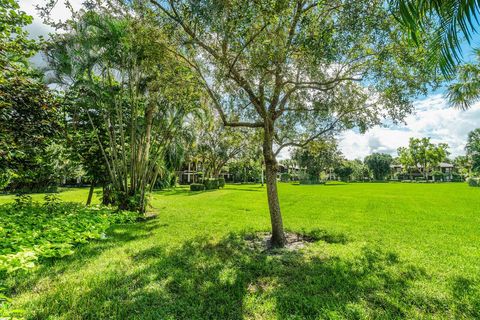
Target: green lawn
{"type": "Point", "coordinates": [411, 251]}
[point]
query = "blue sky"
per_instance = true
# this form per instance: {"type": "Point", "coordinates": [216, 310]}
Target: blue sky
{"type": "Point", "coordinates": [432, 117]}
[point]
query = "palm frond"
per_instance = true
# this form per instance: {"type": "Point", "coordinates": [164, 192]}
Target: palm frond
{"type": "Point", "coordinates": [453, 20]}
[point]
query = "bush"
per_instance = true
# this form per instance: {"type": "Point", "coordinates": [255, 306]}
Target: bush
{"type": "Point", "coordinates": [419, 179]}
{"type": "Point", "coordinates": [457, 177]}
{"type": "Point", "coordinates": [285, 177]}
{"type": "Point", "coordinates": [5, 177]}
{"type": "Point", "coordinates": [221, 182]}
{"type": "Point", "coordinates": [473, 182]}
{"type": "Point", "coordinates": [197, 187]}
{"type": "Point", "coordinates": [438, 175]}
{"type": "Point", "coordinates": [211, 184]}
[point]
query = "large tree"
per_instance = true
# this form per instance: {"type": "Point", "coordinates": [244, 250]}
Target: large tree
{"type": "Point", "coordinates": [379, 164]}
{"type": "Point", "coordinates": [473, 150]}
{"type": "Point", "coordinates": [317, 157]}
{"type": "Point", "coordinates": [423, 154]}
{"type": "Point", "coordinates": [297, 69]}
{"type": "Point", "coordinates": [344, 170]}
{"type": "Point", "coordinates": [29, 112]}
{"type": "Point", "coordinates": [218, 145]}
{"type": "Point", "coordinates": [132, 89]}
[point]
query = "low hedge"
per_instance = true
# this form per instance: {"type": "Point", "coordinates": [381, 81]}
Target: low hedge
{"type": "Point", "coordinates": [211, 184]}
{"type": "Point", "coordinates": [457, 177]}
{"type": "Point", "coordinates": [197, 187]}
{"type": "Point", "coordinates": [307, 181]}
{"type": "Point", "coordinates": [473, 182]}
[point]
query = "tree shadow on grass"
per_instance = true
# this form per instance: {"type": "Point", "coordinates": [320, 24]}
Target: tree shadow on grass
{"type": "Point", "coordinates": [115, 236]}
{"type": "Point", "coordinates": [230, 280]}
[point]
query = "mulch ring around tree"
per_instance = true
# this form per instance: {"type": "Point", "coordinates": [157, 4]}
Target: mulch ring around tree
{"type": "Point", "coordinates": [261, 242]}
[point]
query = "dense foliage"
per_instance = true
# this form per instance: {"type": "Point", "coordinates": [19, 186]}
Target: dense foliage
{"type": "Point", "coordinates": [422, 155]}
{"type": "Point", "coordinates": [379, 165]}
{"type": "Point", "coordinates": [344, 171]}
{"type": "Point", "coordinates": [118, 70]}
{"type": "Point", "coordinates": [30, 114]}
{"type": "Point", "coordinates": [298, 70]}
{"type": "Point", "coordinates": [473, 150]}
{"type": "Point", "coordinates": [32, 231]}
{"type": "Point", "coordinates": [317, 157]}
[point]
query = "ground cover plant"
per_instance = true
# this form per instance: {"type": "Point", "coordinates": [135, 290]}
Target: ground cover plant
{"type": "Point", "coordinates": [384, 251]}
{"type": "Point", "coordinates": [33, 232]}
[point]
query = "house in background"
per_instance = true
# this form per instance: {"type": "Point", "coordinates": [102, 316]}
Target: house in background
{"type": "Point", "coordinates": [192, 172]}
{"type": "Point", "coordinates": [446, 168]}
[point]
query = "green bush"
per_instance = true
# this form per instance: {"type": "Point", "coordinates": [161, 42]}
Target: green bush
{"type": "Point", "coordinates": [197, 187]}
{"type": "Point", "coordinates": [473, 182]}
{"type": "Point", "coordinates": [311, 181]}
{"type": "Point", "coordinates": [419, 179]}
{"type": "Point", "coordinates": [438, 175]}
{"type": "Point", "coordinates": [221, 182]}
{"type": "Point", "coordinates": [456, 177]}
{"type": "Point", "coordinates": [5, 177]}
{"type": "Point", "coordinates": [211, 184]}
{"type": "Point", "coordinates": [285, 177]}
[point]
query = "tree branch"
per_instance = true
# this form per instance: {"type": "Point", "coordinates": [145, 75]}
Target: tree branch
{"type": "Point", "coordinates": [310, 139]}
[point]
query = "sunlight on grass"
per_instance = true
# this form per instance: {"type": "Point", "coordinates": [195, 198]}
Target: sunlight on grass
{"type": "Point", "coordinates": [384, 251]}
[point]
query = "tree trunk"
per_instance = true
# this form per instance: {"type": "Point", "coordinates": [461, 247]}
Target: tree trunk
{"type": "Point", "coordinates": [278, 235]}
{"type": "Point", "coordinates": [90, 193]}
{"type": "Point", "coordinates": [262, 176]}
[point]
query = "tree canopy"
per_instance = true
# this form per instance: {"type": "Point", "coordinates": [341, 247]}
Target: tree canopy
{"type": "Point", "coordinates": [129, 88]}
{"type": "Point", "coordinates": [422, 155]}
{"type": "Point", "coordinates": [473, 149]}
{"type": "Point", "coordinates": [297, 69]}
{"type": "Point", "coordinates": [379, 164]}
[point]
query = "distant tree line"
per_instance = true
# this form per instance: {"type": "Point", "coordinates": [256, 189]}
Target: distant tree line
{"type": "Point", "coordinates": [321, 160]}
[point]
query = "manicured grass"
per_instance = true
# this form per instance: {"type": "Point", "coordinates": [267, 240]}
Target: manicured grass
{"type": "Point", "coordinates": [412, 251]}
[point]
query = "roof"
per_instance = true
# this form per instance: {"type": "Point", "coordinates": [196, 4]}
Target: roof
{"type": "Point", "coordinates": [441, 165]}
{"type": "Point", "coordinates": [445, 165]}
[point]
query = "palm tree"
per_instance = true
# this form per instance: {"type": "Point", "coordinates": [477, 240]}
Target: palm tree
{"type": "Point", "coordinates": [453, 20]}
{"type": "Point", "coordinates": [466, 90]}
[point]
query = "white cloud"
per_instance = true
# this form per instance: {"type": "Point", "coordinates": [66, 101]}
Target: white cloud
{"type": "Point", "coordinates": [59, 13]}
{"type": "Point", "coordinates": [432, 118]}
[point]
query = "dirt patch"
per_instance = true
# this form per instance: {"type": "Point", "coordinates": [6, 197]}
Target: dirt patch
{"type": "Point", "coordinates": [261, 241]}
{"type": "Point", "coordinates": [147, 217]}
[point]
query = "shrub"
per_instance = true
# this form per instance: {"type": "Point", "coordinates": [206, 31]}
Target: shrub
{"type": "Point", "coordinates": [285, 177]}
{"type": "Point", "coordinates": [197, 187]}
{"type": "Point", "coordinates": [456, 177]}
{"type": "Point", "coordinates": [5, 177]}
{"type": "Point", "coordinates": [221, 182]}
{"type": "Point", "coordinates": [211, 184]}
{"type": "Point", "coordinates": [473, 182]}
{"type": "Point", "coordinates": [438, 175]}
{"type": "Point", "coordinates": [310, 179]}
{"type": "Point", "coordinates": [419, 179]}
